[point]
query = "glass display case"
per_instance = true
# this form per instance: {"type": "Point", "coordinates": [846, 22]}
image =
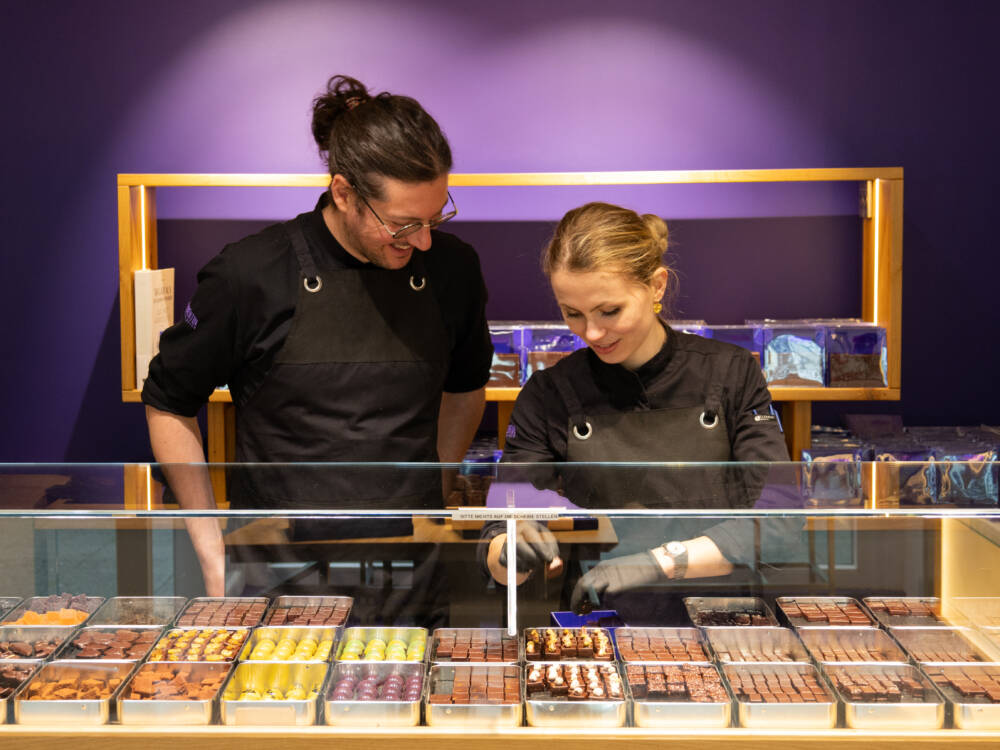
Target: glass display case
{"type": "Point", "coordinates": [792, 613]}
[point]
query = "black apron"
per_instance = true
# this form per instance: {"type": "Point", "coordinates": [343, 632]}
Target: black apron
{"type": "Point", "coordinates": [694, 434]}
{"type": "Point", "coordinates": [358, 379]}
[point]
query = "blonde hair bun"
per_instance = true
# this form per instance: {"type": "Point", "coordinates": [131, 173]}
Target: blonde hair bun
{"type": "Point", "coordinates": [657, 230]}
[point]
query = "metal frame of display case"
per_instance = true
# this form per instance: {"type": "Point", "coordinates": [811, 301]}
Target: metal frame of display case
{"type": "Point", "coordinates": [969, 557]}
{"type": "Point", "coordinates": [881, 256]}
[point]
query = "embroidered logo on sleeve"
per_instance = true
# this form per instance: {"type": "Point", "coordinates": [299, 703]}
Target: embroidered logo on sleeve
{"type": "Point", "coordinates": [189, 317]}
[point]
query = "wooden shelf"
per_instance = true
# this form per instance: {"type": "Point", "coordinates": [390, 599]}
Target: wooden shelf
{"type": "Point", "coordinates": [535, 179]}
{"type": "Point", "coordinates": [432, 738]}
{"type": "Point", "coordinates": [223, 396]}
{"type": "Point", "coordinates": [880, 254]}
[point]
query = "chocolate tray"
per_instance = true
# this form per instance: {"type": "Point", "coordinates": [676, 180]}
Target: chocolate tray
{"type": "Point", "coordinates": [384, 634]}
{"type": "Point", "coordinates": [876, 606]}
{"type": "Point", "coordinates": [30, 664]}
{"type": "Point", "coordinates": [73, 712]}
{"type": "Point", "coordinates": [92, 603]}
{"type": "Point", "coordinates": [563, 713]}
{"type": "Point", "coordinates": [734, 645]}
{"type": "Point", "coordinates": [374, 713]}
{"type": "Point", "coordinates": [471, 715]}
{"type": "Point", "coordinates": [296, 633]}
{"type": "Point", "coordinates": [163, 711]}
{"type": "Point", "coordinates": [939, 644]}
{"type": "Point", "coordinates": [70, 651]}
{"type": "Point", "coordinates": [138, 610]}
{"type": "Point", "coordinates": [7, 603]}
{"type": "Point", "coordinates": [653, 713]}
{"type": "Point", "coordinates": [264, 676]}
{"type": "Point", "coordinates": [499, 632]}
{"type": "Point", "coordinates": [928, 714]}
{"type": "Point", "coordinates": [967, 712]}
{"type": "Point", "coordinates": [684, 635]}
{"type": "Point", "coordinates": [699, 606]}
{"type": "Point", "coordinates": [289, 602]}
{"type": "Point", "coordinates": [151, 656]}
{"type": "Point", "coordinates": [181, 618]}
{"type": "Point", "coordinates": [816, 715]}
{"type": "Point", "coordinates": [801, 622]}
{"type": "Point", "coordinates": [57, 633]}
{"type": "Point", "coordinates": [819, 641]}
{"type": "Point", "coordinates": [567, 659]}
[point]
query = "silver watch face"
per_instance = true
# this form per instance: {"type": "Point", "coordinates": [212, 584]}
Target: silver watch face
{"type": "Point", "coordinates": [675, 548]}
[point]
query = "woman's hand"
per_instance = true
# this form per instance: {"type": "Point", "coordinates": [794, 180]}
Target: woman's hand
{"type": "Point", "coordinates": [615, 576]}
{"type": "Point", "coordinates": [537, 549]}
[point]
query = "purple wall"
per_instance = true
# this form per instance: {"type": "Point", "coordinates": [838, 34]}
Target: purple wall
{"type": "Point", "coordinates": [97, 88]}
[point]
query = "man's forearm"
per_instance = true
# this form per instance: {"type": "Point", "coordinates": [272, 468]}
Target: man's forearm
{"type": "Point", "coordinates": [177, 447]}
{"type": "Point", "coordinates": [458, 420]}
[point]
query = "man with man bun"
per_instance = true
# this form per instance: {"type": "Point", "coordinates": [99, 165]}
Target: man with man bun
{"type": "Point", "coordinates": [355, 332]}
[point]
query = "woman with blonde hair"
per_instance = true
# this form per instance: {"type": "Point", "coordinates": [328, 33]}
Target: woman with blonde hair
{"type": "Point", "coordinates": [639, 392]}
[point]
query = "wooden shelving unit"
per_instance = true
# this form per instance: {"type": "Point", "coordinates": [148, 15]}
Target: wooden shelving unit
{"type": "Point", "coordinates": [881, 259]}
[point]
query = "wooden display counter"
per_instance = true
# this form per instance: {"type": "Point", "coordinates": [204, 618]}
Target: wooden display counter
{"type": "Point", "coordinates": [430, 738]}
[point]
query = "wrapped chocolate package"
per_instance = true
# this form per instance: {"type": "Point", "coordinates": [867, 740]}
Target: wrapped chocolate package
{"type": "Point", "coordinates": [544, 344]}
{"type": "Point", "coordinates": [832, 472]}
{"type": "Point", "coordinates": [505, 371]}
{"type": "Point", "coordinates": [856, 355]}
{"type": "Point", "coordinates": [794, 352]}
{"type": "Point", "coordinates": [737, 335]}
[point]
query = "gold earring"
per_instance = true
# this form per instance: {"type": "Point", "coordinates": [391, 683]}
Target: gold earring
{"type": "Point", "coordinates": [657, 308]}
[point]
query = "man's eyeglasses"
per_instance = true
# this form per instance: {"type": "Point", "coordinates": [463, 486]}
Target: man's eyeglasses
{"type": "Point", "coordinates": [407, 229]}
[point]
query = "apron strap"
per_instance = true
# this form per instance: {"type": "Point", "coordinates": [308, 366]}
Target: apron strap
{"type": "Point", "coordinates": [578, 419]}
{"type": "Point", "coordinates": [714, 391]}
{"type": "Point", "coordinates": [312, 281]}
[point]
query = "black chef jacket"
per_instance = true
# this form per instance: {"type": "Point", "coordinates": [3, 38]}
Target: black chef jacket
{"type": "Point", "coordinates": [675, 377]}
{"type": "Point", "coordinates": [241, 312]}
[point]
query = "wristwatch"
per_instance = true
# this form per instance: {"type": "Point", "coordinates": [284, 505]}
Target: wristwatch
{"type": "Point", "coordinates": [677, 552]}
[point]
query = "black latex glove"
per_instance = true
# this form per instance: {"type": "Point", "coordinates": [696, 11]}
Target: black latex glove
{"type": "Point", "coordinates": [617, 575]}
{"type": "Point", "coordinates": [536, 547]}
